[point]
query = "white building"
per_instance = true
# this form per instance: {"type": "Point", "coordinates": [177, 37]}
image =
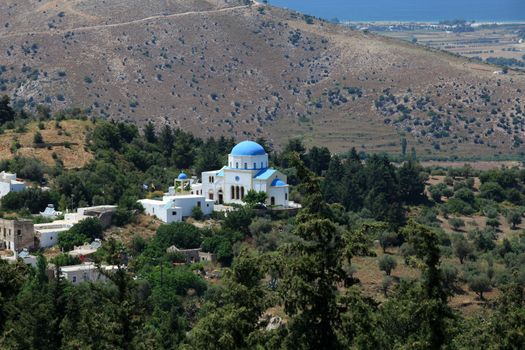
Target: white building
{"type": "Point", "coordinates": [24, 255]}
{"type": "Point", "coordinates": [87, 272]}
{"type": "Point", "coordinates": [247, 170]}
{"type": "Point", "coordinates": [178, 203]}
{"type": "Point", "coordinates": [9, 183]}
{"type": "Point", "coordinates": [86, 249]}
{"type": "Point", "coordinates": [47, 233]}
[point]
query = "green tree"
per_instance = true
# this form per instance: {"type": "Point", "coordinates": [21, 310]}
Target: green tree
{"type": "Point", "coordinates": [234, 321]}
{"type": "Point", "coordinates": [150, 133]}
{"type": "Point", "coordinates": [479, 284]}
{"type": "Point", "coordinates": [514, 218]}
{"type": "Point", "coordinates": [411, 182]}
{"type": "Point", "coordinates": [462, 247]}
{"type": "Point", "coordinates": [84, 231]}
{"type": "Point", "coordinates": [310, 271]}
{"type": "Point", "coordinates": [6, 112]}
{"type": "Point", "coordinates": [387, 263]}
{"type": "Point", "coordinates": [253, 198]}
{"type": "Point", "coordinates": [387, 239]}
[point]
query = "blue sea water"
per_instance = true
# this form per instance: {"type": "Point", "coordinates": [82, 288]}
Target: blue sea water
{"type": "Point", "coordinates": [410, 10]}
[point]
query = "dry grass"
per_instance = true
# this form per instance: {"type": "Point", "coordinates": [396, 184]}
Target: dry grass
{"type": "Point", "coordinates": [72, 132]}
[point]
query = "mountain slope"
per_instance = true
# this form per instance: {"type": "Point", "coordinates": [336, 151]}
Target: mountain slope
{"type": "Point", "coordinates": [216, 67]}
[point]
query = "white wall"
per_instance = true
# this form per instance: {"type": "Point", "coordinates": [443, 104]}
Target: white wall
{"type": "Point", "coordinates": [6, 187]}
{"type": "Point", "coordinates": [280, 194]}
{"type": "Point", "coordinates": [82, 273]}
{"type": "Point", "coordinates": [239, 162]}
{"type": "Point", "coordinates": [174, 209]}
{"type": "Point", "coordinates": [49, 238]}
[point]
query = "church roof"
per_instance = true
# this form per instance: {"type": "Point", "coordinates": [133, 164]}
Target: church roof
{"type": "Point", "coordinates": [182, 176]}
{"type": "Point", "coordinates": [278, 183]}
{"type": "Point", "coordinates": [248, 148]}
{"type": "Point", "coordinates": [265, 174]}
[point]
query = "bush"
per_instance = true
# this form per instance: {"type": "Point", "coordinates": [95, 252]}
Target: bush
{"type": "Point", "coordinates": [65, 260]}
{"type": "Point", "coordinates": [38, 139]}
{"type": "Point", "coordinates": [456, 223]}
{"type": "Point", "coordinates": [387, 263]}
{"type": "Point", "coordinates": [83, 232]}
{"type": "Point", "coordinates": [260, 226]}
{"type": "Point", "coordinates": [197, 213]}
{"type": "Point", "coordinates": [239, 220]}
{"type": "Point", "coordinates": [180, 234]}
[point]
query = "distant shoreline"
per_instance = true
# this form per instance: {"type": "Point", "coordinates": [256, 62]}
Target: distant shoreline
{"type": "Point", "coordinates": [474, 23]}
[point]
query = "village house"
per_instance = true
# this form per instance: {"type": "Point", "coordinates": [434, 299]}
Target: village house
{"type": "Point", "coordinates": [9, 183]}
{"type": "Point", "coordinates": [86, 272]}
{"type": "Point", "coordinates": [47, 233]}
{"type": "Point", "coordinates": [193, 255]}
{"type": "Point", "coordinates": [24, 256]}
{"type": "Point", "coordinates": [16, 234]}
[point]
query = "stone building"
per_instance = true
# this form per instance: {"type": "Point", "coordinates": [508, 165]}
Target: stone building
{"type": "Point", "coordinates": [16, 235]}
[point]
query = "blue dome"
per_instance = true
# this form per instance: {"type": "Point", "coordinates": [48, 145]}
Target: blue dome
{"type": "Point", "coordinates": [278, 183]}
{"type": "Point", "coordinates": [248, 148]}
{"type": "Point", "coordinates": [182, 176]}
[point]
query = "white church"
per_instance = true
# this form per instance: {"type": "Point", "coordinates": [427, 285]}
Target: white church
{"type": "Point", "coordinates": [247, 170]}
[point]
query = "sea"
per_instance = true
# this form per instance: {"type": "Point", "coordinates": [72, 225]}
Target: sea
{"type": "Point", "coordinates": [409, 10]}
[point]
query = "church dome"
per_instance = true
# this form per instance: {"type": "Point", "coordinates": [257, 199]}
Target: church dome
{"type": "Point", "coordinates": [278, 183]}
{"type": "Point", "coordinates": [182, 176]}
{"type": "Point", "coordinates": [248, 148]}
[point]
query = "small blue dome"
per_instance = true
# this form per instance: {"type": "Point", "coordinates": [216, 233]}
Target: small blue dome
{"type": "Point", "coordinates": [278, 183]}
{"type": "Point", "coordinates": [248, 148]}
{"type": "Point", "coordinates": [182, 176]}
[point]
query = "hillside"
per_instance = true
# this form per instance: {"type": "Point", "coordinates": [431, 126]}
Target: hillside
{"type": "Point", "coordinates": [65, 141]}
{"type": "Point", "coordinates": [216, 67]}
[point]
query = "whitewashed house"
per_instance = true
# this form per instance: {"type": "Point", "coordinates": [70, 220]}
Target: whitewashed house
{"type": "Point", "coordinates": [47, 233]}
{"type": "Point", "coordinates": [247, 169]}
{"type": "Point", "coordinates": [9, 183]}
{"type": "Point", "coordinates": [87, 272]}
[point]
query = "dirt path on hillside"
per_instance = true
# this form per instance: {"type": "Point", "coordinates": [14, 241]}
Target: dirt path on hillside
{"type": "Point", "coordinates": [116, 25]}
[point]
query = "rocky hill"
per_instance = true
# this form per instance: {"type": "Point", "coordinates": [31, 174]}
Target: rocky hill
{"type": "Point", "coordinates": [218, 67]}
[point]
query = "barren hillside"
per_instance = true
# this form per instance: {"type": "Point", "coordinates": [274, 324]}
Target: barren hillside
{"type": "Point", "coordinates": [218, 67]}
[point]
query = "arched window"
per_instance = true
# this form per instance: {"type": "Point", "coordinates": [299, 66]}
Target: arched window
{"type": "Point", "coordinates": [237, 192]}
{"type": "Point", "coordinates": [262, 165]}
{"type": "Point", "coordinates": [272, 201]}
{"type": "Point", "coordinates": [237, 165]}
{"type": "Point", "coordinates": [245, 165]}
{"type": "Point", "coordinates": [242, 192]}
{"type": "Point", "coordinates": [286, 196]}
{"type": "Point", "coordinates": [255, 165]}
{"type": "Point", "coordinates": [233, 193]}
